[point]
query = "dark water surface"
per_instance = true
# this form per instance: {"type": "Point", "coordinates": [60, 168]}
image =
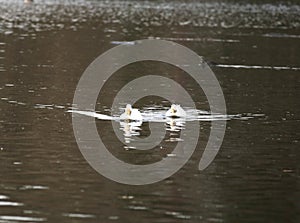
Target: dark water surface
{"type": "Point", "coordinates": [253, 49]}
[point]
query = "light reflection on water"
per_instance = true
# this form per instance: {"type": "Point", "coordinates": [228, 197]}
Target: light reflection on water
{"type": "Point", "coordinates": [51, 15]}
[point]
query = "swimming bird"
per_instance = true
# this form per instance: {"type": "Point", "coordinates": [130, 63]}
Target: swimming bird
{"type": "Point", "coordinates": [176, 111]}
{"type": "Point", "coordinates": [131, 114]}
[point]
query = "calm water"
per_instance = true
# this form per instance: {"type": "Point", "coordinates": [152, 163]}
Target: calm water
{"type": "Point", "coordinates": [254, 50]}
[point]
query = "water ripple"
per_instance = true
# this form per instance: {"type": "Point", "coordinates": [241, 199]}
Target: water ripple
{"type": "Point", "coordinates": [240, 66]}
{"type": "Point", "coordinates": [34, 187]}
{"type": "Point", "coordinates": [10, 203]}
{"type": "Point", "coordinates": [3, 197]}
{"type": "Point", "coordinates": [21, 218]}
{"type": "Point", "coordinates": [78, 215]}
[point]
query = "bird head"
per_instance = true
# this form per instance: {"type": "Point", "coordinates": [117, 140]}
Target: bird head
{"type": "Point", "coordinates": [128, 109]}
{"type": "Point", "coordinates": [173, 109]}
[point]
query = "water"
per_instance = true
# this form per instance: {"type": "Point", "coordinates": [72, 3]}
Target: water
{"type": "Point", "coordinates": [253, 48]}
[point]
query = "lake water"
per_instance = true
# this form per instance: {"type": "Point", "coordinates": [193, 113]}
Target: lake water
{"type": "Point", "coordinates": [254, 51]}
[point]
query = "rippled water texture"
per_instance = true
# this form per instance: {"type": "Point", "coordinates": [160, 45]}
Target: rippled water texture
{"type": "Point", "coordinates": [253, 47]}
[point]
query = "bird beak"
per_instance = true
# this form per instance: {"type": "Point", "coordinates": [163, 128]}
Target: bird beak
{"type": "Point", "coordinates": [128, 112]}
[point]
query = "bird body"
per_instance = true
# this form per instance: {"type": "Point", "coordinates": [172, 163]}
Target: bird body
{"type": "Point", "coordinates": [176, 111]}
{"type": "Point", "coordinates": [131, 114]}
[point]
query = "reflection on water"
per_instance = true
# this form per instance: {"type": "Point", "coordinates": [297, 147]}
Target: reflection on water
{"type": "Point", "coordinates": [175, 125]}
{"type": "Point", "coordinates": [130, 129]}
{"type": "Point", "coordinates": [253, 48]}
{"type": "Point", "coordinates": [72, 15]}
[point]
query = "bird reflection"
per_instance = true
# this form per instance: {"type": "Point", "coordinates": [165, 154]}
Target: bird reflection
{"type": "Point", "coordinates": [175, 124]}
{"type": "Point", "coordinates": [130, 129]}
{"type": "Point", "coordinates": [133, 128]}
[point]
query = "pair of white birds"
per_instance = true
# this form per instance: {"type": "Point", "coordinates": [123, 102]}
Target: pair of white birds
{"type": "Point", "coordinates": [176, 111]}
